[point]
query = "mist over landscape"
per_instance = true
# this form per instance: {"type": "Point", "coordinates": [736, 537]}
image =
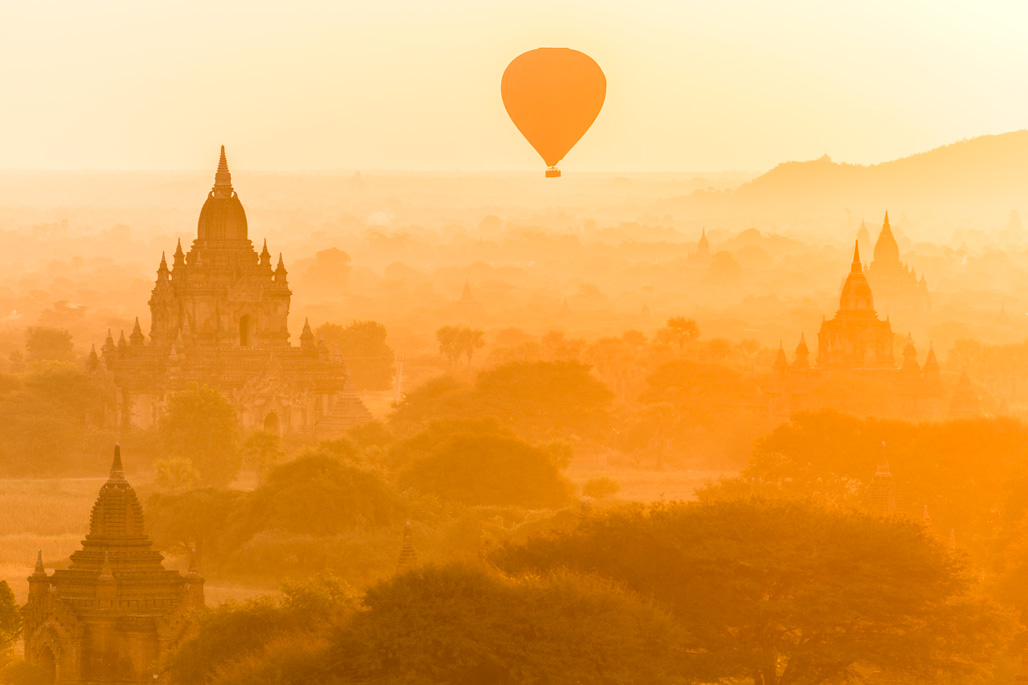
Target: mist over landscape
{"type": "Point", "coordinates": [495, 345]}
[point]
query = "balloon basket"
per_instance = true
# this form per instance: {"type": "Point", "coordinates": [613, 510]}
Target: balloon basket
{"type": "Point", "coordinates": [553, 172]}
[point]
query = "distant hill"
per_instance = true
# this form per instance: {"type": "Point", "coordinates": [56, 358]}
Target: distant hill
{"type": "Point", "coordinates": [986, 175]}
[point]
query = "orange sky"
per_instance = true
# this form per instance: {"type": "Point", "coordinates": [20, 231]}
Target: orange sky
{"type": "Point", "coordinates": [415, 85]}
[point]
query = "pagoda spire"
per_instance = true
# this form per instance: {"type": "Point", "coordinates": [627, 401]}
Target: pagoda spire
{"type": "Point", "coordinates": [307, 336]}
{"type": "Point", "coordinates": [117, 470]}
{"type": "Point", "coordinates": [856, 267]}
{"type": "Point", "coordinates": [40, 569]}
{"type": "Point", "coordinates": [280, 270]}
{"type": "Point", "coordinates": [780, 361]}
{"type": "Point", "coordinates": [137, 337]}
{"type": "Point", "coordinates": [222, 179]}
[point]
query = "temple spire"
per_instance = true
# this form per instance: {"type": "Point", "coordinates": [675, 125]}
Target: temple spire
{"type": "Point", "coordinates": [222, 179]}
{"type": "Point", "coordinates": [40, 569]}
{"type": "Point", "coordinates": [117, 470]}
{"type": "Point", "coordinates": [137, 337]}
{"type": "Point", "coordinates": [856, 268]}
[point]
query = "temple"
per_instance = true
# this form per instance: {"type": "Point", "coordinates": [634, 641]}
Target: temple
{"type": "Point", "coordinates": [115, 612]}
{"type": "Point", "coordinates": [218, 316]}
{"type": "Point", "coordinates": [855, 338]}
{"type": "Point", "coordinates": [856, 341]}
{"type": "Point", "coordinates": [897, 284]}
{"type": "Point", "coordinates": [702, 253]}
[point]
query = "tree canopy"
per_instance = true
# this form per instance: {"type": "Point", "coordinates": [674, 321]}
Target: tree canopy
{"type": "Point", "coordinates": [787, 591]}
{"type": "Point", "coordinates": [487, 468]}
{"type": "Point", "coordinates": [200, 424]}
{"type": "Point", "coordinates": [369, 360]}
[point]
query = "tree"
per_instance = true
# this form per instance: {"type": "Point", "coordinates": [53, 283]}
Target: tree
{"type": "Point", "coordinates": [544, 398]}
{"type": "Point", "coordinates": [469, 340]}
{"type": "Point", "coordinates": [200, 424]}
{"type": "Point", "coordinates": [10, 620]}
{"type": "Point", "coordinates": [459, 341]}
{"type": "Point", "coordinates": [460, 624]}
{"type": "Point", "coordinates": [488, 470]}
{"type": "Point", "coordinates": [449, 344]}
{"type": "Point", "coordinates": [783, 592]}
{"type": "Point", "coordinates": [317, 495]}
{"type": "Point", "coordinates": [229, 634]}
{"type": "Point", "coordinates": [175, 474]}
{"type": "Point", "coordinates": [679, 331]}
{"type": "Point", "coordinates": [329, 273]}
{"type": "Point", "coordinates": [261, 451]}
{"type": "Point", "coordinates": [369, 360]}
{"type": "Point", "coordinates": [49, 344]}
{"type": "Point", "coordinates": [45, 413]}
{"type": "Point", "coordinates": [197, 520]}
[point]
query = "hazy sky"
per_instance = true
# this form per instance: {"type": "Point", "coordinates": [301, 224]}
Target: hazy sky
{"type": "Point", "coordinates": [385, 84]}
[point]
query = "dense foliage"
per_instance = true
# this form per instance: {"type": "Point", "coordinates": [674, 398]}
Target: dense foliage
{"type": "Point", "coordinates": [786, 591]}
{"type": "Point", "coordinates": [369, 360]}
{"type": "Point", "coordinates": [200, 424]}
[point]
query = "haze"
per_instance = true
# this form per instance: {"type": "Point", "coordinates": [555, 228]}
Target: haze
{"type": "Point", "coordinates": [313, 371]}
{"type": "Point", "coordinates": [414, 85]}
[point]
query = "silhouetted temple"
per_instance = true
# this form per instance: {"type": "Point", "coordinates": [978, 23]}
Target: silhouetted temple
{"type": "Point", "coordinates": [115, 612]}
{"type": "Point", "coordinates": [965, 402]}
{"type": "Point", "coordinates": [219, 317]}
{"type": "Point", "coordinates": [702, 254]}
{"type": "Point", "coordinates": [896, 284]}
{"type": "Point", "coordinates": [855, 338]}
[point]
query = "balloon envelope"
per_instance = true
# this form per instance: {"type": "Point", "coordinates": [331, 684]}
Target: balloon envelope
{"type": "Point", "coordinates": [553, 96]}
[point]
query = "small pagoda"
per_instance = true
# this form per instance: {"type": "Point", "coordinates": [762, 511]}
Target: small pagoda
{"type": "Point", "coordinates": [115, 612]}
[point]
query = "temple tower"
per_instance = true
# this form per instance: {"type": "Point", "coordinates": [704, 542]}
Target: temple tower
{"type": "Point", "coordinates": [115, 612]}
{"type": "Point", "coordinates": [219, 317]}
{"type": "Point", "coordinates": [855, 338]}
{"type": "Point", "coordinates": [221, 291]}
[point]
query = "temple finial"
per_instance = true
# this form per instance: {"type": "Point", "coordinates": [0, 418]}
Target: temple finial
{"type": "Point", "coordinates": [222, 179]}
{"type": "Point", "coordinates": [40, 570]}
{"type": "Point", "coordinates": [856, 267]}
{"type": "Point", "coordinates": [117, 470]}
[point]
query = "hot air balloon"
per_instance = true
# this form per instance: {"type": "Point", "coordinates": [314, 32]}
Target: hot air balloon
{"type": "Point", "coordinates": [553, 96]}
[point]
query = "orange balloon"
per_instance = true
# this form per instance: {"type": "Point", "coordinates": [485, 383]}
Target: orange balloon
{"type": "Point", "coordinates": [553, 96]}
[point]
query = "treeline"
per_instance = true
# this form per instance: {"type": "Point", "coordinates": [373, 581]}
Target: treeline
{"type": "Point", "coordinates": [763, 591]}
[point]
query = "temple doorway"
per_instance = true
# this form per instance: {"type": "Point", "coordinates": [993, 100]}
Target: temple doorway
{"type": "Point", "coordinates": [271, 423]}
{"type": "Point", "coordinates": [48, 666]}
